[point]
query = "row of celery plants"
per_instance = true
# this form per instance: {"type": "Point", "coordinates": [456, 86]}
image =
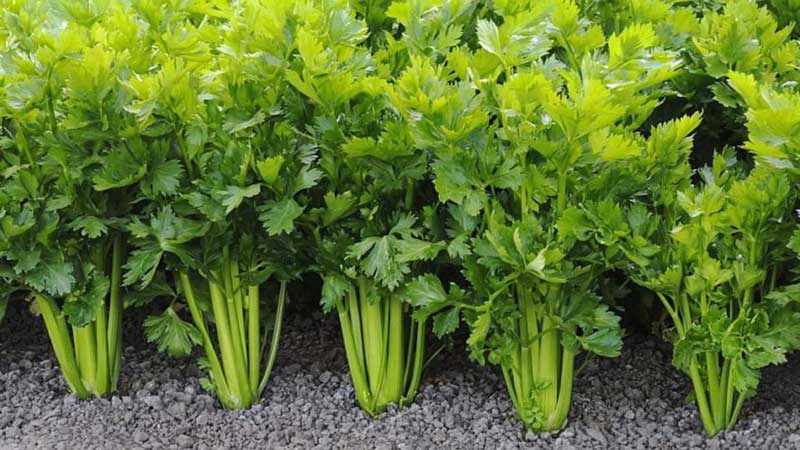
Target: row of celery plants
{"type": "Point", "coordinates": [199, 157]}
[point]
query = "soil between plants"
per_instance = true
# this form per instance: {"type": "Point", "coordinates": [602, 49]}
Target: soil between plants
{"type": "Point", "coordinates": [636, 401]}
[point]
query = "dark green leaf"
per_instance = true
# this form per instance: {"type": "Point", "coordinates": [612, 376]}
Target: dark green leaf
{"type": "Point", "coordinates": [278, 217]}
{"type": "Point", "coordinates": [173, 335]}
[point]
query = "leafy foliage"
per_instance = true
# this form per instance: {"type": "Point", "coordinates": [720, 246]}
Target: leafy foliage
{"type": "Point", "coordinates": [719, 254]}
{"type": "Point", "coordinates": [436, 163]}
{"type": "Point", "coordinates": [71, 164]}
{"type": "Point", "coordinates": [220, 206]}
{"type": "Point", "coordinates": [531, 135]}
{"type": "Point", "coordinates": [174, 336]}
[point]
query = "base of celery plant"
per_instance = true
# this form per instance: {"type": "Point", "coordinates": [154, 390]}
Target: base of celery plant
{"type": "Point", "coordinates": [235, 371]}
{"type": "Point", "coordinates": [715, 394]}
{"type": "Point", "coordinates": [540, 378]}
{"type": "Point", "coordinates": [385, 348]}
{"type": "Point", "coordinates": [546, 406]}
{"type": "Point", "coordinates": [90, 357]}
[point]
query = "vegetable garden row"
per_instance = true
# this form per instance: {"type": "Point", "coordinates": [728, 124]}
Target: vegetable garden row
{"type": "Point", "coordinates": [497, 164]}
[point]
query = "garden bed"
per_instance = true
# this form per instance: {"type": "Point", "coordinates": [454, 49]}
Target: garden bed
{"type": "Point", "coordinates": [635, 401]}
{"type": "Point", "coordinates": [518, 180]}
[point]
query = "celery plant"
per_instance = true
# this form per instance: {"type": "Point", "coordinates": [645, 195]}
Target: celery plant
{"type": "Point", "coordinates": [61, 209]}
{"type": "Point", "coordinates": [720, 251]}
{"type": "Point", "coordinates": [772, 124]}
{"type": "Point", "coordinates": [224, 239]}
{"type": "Point", "coordinates": [721, 246]}
{"type": "Point", "coordinates": [371, 230]}
{"type": "Point", "coordinates": [533, 135]}
{"type": "Point", "coordinates": [715, 254]}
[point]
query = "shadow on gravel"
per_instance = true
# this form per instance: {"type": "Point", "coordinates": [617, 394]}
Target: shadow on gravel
{"type": "Point", "coordinates": [636, 401]}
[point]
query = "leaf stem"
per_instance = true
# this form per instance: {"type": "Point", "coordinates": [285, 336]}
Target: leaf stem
{"type": "Point", "coordinates": [276, 338]}
{"type": "Point", "coordinates": [354, 356]}
{"type": "Point", "coordinates": [58, 332]}
{"type": "Point", "coordinates": [115, 307]}
{"type": "Point", "coordinates": [217, 373]}
{"type": "Point", "coordinates": [254, 336]}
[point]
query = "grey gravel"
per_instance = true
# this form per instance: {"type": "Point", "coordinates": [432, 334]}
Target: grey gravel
{"type": "Point", "coordinates": [634, 402]}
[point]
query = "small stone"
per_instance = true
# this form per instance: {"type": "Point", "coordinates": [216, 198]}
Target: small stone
{"type": "Point", "coordinates": [203, 398]}
{"type": "Point", "coordinates": [202, 419]}
{"type": "Point", "coordinates": [794, 437]}
{"type": "Point", "coordinates": [140, 437]}
{"type": "Point", "coordinates": [70, 400]}
{"type": "Point", "coordinates": [324, 377]}
{"type": "Point", "coordinates": [184, 441]}
{"type": "Point", "coordinates": [597, 435]}
{"type": "Point", "coordinates": [630, 415]}
{"type": "Point", "coordinates": [634, 394]}
{"type": "Point", "coordinates": [177, 409]}
{"type": "Point", "coordinates": [153, 401]}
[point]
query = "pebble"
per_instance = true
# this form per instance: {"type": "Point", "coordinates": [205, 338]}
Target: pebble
{"type": "Point", "coordinates": [70, 400]}
{"type": "Point", "coordinates": [597, 435]}
{"type": "Point", "coordinates": [202, 419]}
{"type": "Point", "coordinates": [153, 401]}
{"type": "Point", "coordinates": [324, 377]}
{"type": "Point", "coordinates": [177, 409]}
{"type": "Point", "coordinates": [140, 437]}
{"type": "Point", "coordinates": [185, 441]}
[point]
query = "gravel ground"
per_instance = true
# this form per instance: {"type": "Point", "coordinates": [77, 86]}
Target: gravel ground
{"type": "Point", "coordinates": [636, 401]}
